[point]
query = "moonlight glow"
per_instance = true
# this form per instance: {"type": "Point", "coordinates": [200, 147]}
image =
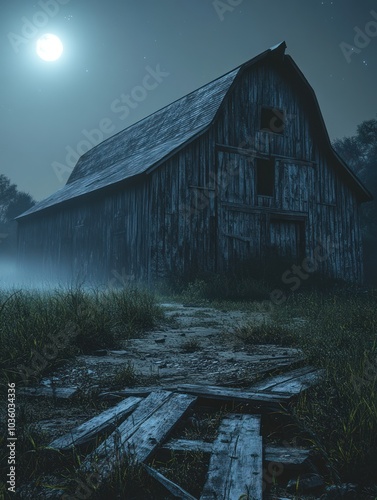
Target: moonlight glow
{"type": "Point", "coordinates": [49, 47]}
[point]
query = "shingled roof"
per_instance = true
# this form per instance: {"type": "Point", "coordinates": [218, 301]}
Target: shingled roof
{"type": "Point", "coordinates": [145, 144]}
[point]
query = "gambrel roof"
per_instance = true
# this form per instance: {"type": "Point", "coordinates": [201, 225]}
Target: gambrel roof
{"type": "Point", "coordinates": [147, 143]}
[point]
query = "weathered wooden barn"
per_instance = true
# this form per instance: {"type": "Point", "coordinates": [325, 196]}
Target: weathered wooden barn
{"type": "Point", "coordinates": [240, 169]}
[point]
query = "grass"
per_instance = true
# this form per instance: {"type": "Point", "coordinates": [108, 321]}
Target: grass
{"type": "Point", "coordinates": [265, 333]}
{"type": "Point", "coordinates": [340, 335]}
{"type": "Point", "coordinates": [216, 288]}
{"type": "Point", "coordinates": [191, 345]}
{"type": "Point", "coordinates": [125, 377]}
{"type": "Point", "coordinates": [39, 330]}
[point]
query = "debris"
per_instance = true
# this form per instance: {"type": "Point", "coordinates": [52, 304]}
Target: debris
{"type": "Point", "coordinates": [141, 433]}
{"type": "Point", "coordinates": [288, 456]}
{"type": "Point", "coordinates": [86, 431]}
{"type": "Point", "coordinates": [306, 483]}
{"type": "Point", "coordinates": [215, 392]}
{"type": "Point", "coordinates": [344, 491]}
{"type": "Point", "coordinates": [174, 489]}
{"type": "Point", "coordinates": [99, 352]}
{"type": "Point", "coordinates": [292, 382]}
{"type": "Point", "coordinates": [119, 353]}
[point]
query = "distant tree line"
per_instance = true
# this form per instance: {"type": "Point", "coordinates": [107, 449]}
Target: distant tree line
{"type": "Point", "coordinates": [360, 154]}
{"type": "Point", "coordinates": [12, 203]}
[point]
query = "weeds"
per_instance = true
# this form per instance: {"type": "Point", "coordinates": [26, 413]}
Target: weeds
{"type": "Point", "coordinates": [191, 345]}
{"type": "Point", "coordinates": [340, 335]}
{"type": "Point", "coordinates": [265, 333]}
{"type": "Point", "coordinates": [125, 377]}
{"type": "Point", "coordinates": [39, 329]}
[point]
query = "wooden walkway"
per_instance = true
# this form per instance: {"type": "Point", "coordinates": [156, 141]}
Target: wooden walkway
{"type": "Point", "coordinates": [139, 425]}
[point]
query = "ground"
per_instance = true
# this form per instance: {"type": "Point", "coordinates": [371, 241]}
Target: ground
{"type": "Point", "coordinates": [198, 345]}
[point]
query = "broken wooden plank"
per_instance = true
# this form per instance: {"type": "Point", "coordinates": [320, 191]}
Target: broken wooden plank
{"type": "Point", "coordinates": [292, 382]}
{"type": "Point", "coordinates": [135, 391]}
{"type": "Point", "coordinates": [89, 429]}
{"type": "Point", "coordinates": [173, 488]}
{"type": "Point", "coordinates": [235, 468]}
{"type": "Point", "coordinates": [286, 455]}
{"type": "Point", "coordinates": [141, 433]}
{"type": "Point", "coordinates": [225, 393]}
{"type": "Point", "coordinates": [49, 392]}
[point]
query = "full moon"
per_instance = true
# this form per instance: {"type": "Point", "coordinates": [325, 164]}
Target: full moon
{"type": "Point", "coordinates": [49, 47]}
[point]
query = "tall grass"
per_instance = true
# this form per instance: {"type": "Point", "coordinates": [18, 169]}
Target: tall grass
{"type": "Point", "coordinates": [40, 328]}
{"type": "Point", "coordinates": [339, 334]}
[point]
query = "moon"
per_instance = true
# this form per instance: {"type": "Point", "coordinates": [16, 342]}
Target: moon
{"type": "Point", "coordinates": [49, 47]}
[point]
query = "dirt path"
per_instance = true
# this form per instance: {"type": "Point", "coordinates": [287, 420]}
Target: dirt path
{"type": "Point", "coordinates": [198, 346]}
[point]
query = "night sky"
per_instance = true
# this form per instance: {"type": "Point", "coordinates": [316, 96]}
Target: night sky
{"type": "Point", "coordinates": [111, 46]}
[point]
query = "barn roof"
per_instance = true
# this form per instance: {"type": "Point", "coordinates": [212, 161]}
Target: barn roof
{"type": "Point", "coordinates": [141, 146]}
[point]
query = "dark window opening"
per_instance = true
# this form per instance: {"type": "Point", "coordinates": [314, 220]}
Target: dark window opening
{"type": "Point", "coordinates": [265, 177]}
{"type": "Point", "coordinates": [272, 120]}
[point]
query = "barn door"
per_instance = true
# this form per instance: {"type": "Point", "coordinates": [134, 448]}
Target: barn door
{"type": "Point", "coordinates": [287, 239]}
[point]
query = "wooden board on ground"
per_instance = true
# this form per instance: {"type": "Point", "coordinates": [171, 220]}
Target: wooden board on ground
{"type": "Point", "coordinates": [292, 382]}
{"type": "Point", "coordinates": [174, 489]}
{"type": "Point", "coordinates": [135, 391]}
{"type": "Point", "coordinates": [49, 392]}
{"type": "Point", "coordinates": [141, 433]}
{"type": "Point", "coordinates": [225, 393]}
{"type": "Point", "coordinates": [286, 455]}
{"type": "Point", "coordinates": [89, 429]}
{"type": "Point", "coordinates": [235, 468]}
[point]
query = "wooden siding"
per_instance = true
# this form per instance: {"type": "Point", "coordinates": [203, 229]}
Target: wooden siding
{"type": "Point", "coordinates": [306, 184]}
{"type": "Point", "coordinates": [105, 239]}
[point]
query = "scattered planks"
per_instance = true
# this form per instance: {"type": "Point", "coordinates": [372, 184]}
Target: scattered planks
{"type": "Point", "coordinates": [88, 430]}
{"type": "Point", "coordinates": [235, 468]}
{"type": "Point", "coordinates": [286, 455]}
{"type": "Point", "coordinates": [292, 382]}
{"type": "Point", "coordinates": [238, 395]}
{"type": "Point", "coordinates": [141, 433]}
{"type": "Point", "coordinates": [275, 390]}
{"type": "Point", "coordinates": [142, 422]}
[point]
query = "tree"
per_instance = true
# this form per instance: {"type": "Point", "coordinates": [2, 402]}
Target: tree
{"type": "Point", "coordinates": [12, 204]}
{"type": "Point", "coordinates": [360, 153]}
{"type": "Point", "coordinates": [12, 201]}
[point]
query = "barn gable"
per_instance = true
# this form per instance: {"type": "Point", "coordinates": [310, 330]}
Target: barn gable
{"type": "Point", "coordinates": [131, 152]}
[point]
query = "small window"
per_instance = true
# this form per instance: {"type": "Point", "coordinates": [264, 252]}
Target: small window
{"type": "Point", "coordinates": [272, 120]}
{"type": "Point", "coordinates": [265, 177]}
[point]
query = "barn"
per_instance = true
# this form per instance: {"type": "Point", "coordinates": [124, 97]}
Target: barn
{"type": "Point", "coordinates": [242, 169]}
